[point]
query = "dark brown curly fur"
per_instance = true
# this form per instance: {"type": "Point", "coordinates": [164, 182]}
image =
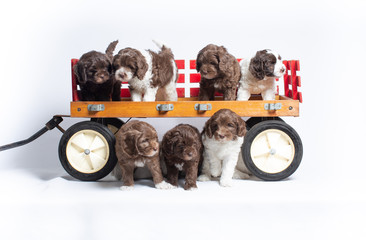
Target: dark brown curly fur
{"type": "Point", "coordinates": [220, 72]}
{"type": "Point", "coordinates": [94, 75]}
{"type": "Point", "coordinates": [137, 143]}
{"type": "Point", "coordinates": [225, 125]}
{"type": "Point", "coordinates": [262, 65]}
{"type": "Point", "coordinates": [182, 145]}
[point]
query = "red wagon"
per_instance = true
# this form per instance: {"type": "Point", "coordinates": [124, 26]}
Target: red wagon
{"type": "Point", "coordinates": [272, 149]}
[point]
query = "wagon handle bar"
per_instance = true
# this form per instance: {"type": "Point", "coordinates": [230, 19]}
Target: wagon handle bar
{"type": "Point", "coordinates": [54, 122]}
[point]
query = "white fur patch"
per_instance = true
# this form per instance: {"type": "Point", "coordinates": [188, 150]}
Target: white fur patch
{"type": "Point", "coordinates": [126, 188]}
{"type": "Point", "coordinates": [220, 159]}
{"type": "Point", "coordinates": [123, 70]}
{"type": "Point", "coordinates": [140, 163]}
{"type": "Point", "coordinates": [179, 166]}
{"type": "Point", "coordinates": [164, 185]}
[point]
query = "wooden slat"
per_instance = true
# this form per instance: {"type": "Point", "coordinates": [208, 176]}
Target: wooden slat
{"type": "Point", "coordinates": [185, 108]}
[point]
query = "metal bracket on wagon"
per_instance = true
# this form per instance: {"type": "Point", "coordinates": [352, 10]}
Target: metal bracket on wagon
{"type": "Point", "coordinates": [96, 107]}
{"type": "Point", "coordinates": [164, 107]}
{"type": "Point", "coordinates": [272, 106]}
{"type": "Point", "coordinates": [203, 107]}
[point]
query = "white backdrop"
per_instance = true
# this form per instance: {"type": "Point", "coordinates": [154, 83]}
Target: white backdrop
{"type": "Point", "coordinates": [326, 196]}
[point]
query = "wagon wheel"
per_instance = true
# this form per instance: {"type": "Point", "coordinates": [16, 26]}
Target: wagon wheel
{"type": "Point", "coordinates": [87, 152]}
{"type": "Point", "coordinates": [113, 124]}
{"type": "Point", "coordinates": [254, 120]}
{"type": "Point", "coordinates": [272, 150]}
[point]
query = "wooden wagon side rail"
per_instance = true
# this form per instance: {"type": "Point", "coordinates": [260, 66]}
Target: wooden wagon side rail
{"type": "Point", "coordinates": [283, 106]}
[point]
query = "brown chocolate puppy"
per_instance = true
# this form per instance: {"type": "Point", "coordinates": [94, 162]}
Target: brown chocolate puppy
{"type": "Point", "coordinates": [220, 72]}
{"type": "Point", "coordinates": [182, 151]}
{"type": "Point", "coordinates": [95, 77]}
{"type": "Point", "coordinates": [136, 145]}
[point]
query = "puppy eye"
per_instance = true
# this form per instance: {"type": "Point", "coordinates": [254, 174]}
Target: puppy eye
{"type": "Point", "coordinates": [230, 125]}
{"type": "Point", "coordinates": [145, 140]}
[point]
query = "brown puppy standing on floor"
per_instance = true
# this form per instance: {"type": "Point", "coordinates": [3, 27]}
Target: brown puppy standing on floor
{"type": "Point", "coordinates": [94, 75]}
{"type": "Point", "coordinates": [220, 72]}
{"type": "Point", "coordinates": [136, 145]}
{"type": "Point", "coordinates": [182, 151]}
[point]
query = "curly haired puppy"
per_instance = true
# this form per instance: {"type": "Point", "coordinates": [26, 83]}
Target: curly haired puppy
{"type": "Point", "coordinates": [147, 72]}
{"type": "Point", "coordinates": [220, 72]}
{"type": "Point", "coordinates": [94, 75]}
{"type": "Point", "coordinates": [136, 145]}
{"type": "Point", "coordinates": [222, 138]}
{"type": "Point", "coordinates": [182, 151]}
{"type": "Point", "coordinates": [259, 74]}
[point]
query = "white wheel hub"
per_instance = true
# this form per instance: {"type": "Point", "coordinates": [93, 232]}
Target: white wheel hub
{"type": "Point", "coordinates": [272, 151]}
{"type": "Point", "coordinates": [87, 151]}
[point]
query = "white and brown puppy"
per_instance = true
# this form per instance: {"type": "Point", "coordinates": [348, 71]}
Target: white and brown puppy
{"type": "Point", "coordinates": [137, 145]}
{"type": "Point", "coordinates": [147, 72]}
{"type": "Point", "coordinates": [258, 75]}
{"type": "Point", "coordinates": [222, 138]}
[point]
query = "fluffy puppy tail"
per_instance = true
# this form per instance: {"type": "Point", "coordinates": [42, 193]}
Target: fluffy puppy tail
{"type": "Point", "coordinates": [110, 49]}
{"type": "Point", "coordinates": [164, 49]}
{"type": "Point", "coordinates": [159, 44]}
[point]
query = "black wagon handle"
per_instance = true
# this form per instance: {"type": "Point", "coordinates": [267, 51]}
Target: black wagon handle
{"type": "Point", "coordinates": [54, 122]}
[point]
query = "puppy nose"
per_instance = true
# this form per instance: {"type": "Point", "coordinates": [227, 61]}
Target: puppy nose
{"type": "Point", "coordinates": [283, 70]}
{"type": "Point", "coordinates": [189, 154]}
{"type": "Point", "coordinates": [221, 136]}
{"type": "Point", "coordinates": [122, 75]}
{"type": "Point", "coordinates": [155, 148]}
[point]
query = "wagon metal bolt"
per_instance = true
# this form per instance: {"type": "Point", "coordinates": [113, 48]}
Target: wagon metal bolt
{"type": "Point", "coordinates": [87, 151]}
{"type": "Point", "coordinates": [272, 151]}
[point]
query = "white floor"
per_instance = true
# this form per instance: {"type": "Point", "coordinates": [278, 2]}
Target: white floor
{"type": "Point", "coordinates": [38, 204]}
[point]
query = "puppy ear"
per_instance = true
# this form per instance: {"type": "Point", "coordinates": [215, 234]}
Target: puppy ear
{"type": "Point", "coordinates": [80, 72]}
{"type": "Point", "coordinates": [208, 128]}
{"type": "Point", "coordinates": [199, 60]}
{"type": "Point", "coordinates": [168, 143]}
{"type": "Point", "coordinates": [128, 142]}
{"type": "Point", "coordinates": [141, 68]}
{"type": "Point", "coordinates": [256, 66]}
{"type": "Point", "coordinates": [240, 127]}
{"type": "Point", "coordinates": [224, 59]}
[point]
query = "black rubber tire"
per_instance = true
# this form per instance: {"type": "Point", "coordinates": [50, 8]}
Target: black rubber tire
{"type": "Point", "coordinates": [114, 124]}
{"type": "Point", "coordinates": [255, 131]}
{"type": "Point", "coordinates": [254, 120]}
{"type": "Point", "coordinates": [107, 135]}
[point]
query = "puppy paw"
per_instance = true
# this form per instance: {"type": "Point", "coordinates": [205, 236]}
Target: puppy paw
{"type": "Point", "coordinates": [204, 178]}
{"type": "Point", "coordinates": [190, 187]}
{"type": "Point", "coordinates": [126, 188]}
{"type": "Point", "coordinates": [226, 182]}
{"type": "Point", "coordinates": [215, 172]}
{"type": "Point", "coordinates": [164, 185]}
